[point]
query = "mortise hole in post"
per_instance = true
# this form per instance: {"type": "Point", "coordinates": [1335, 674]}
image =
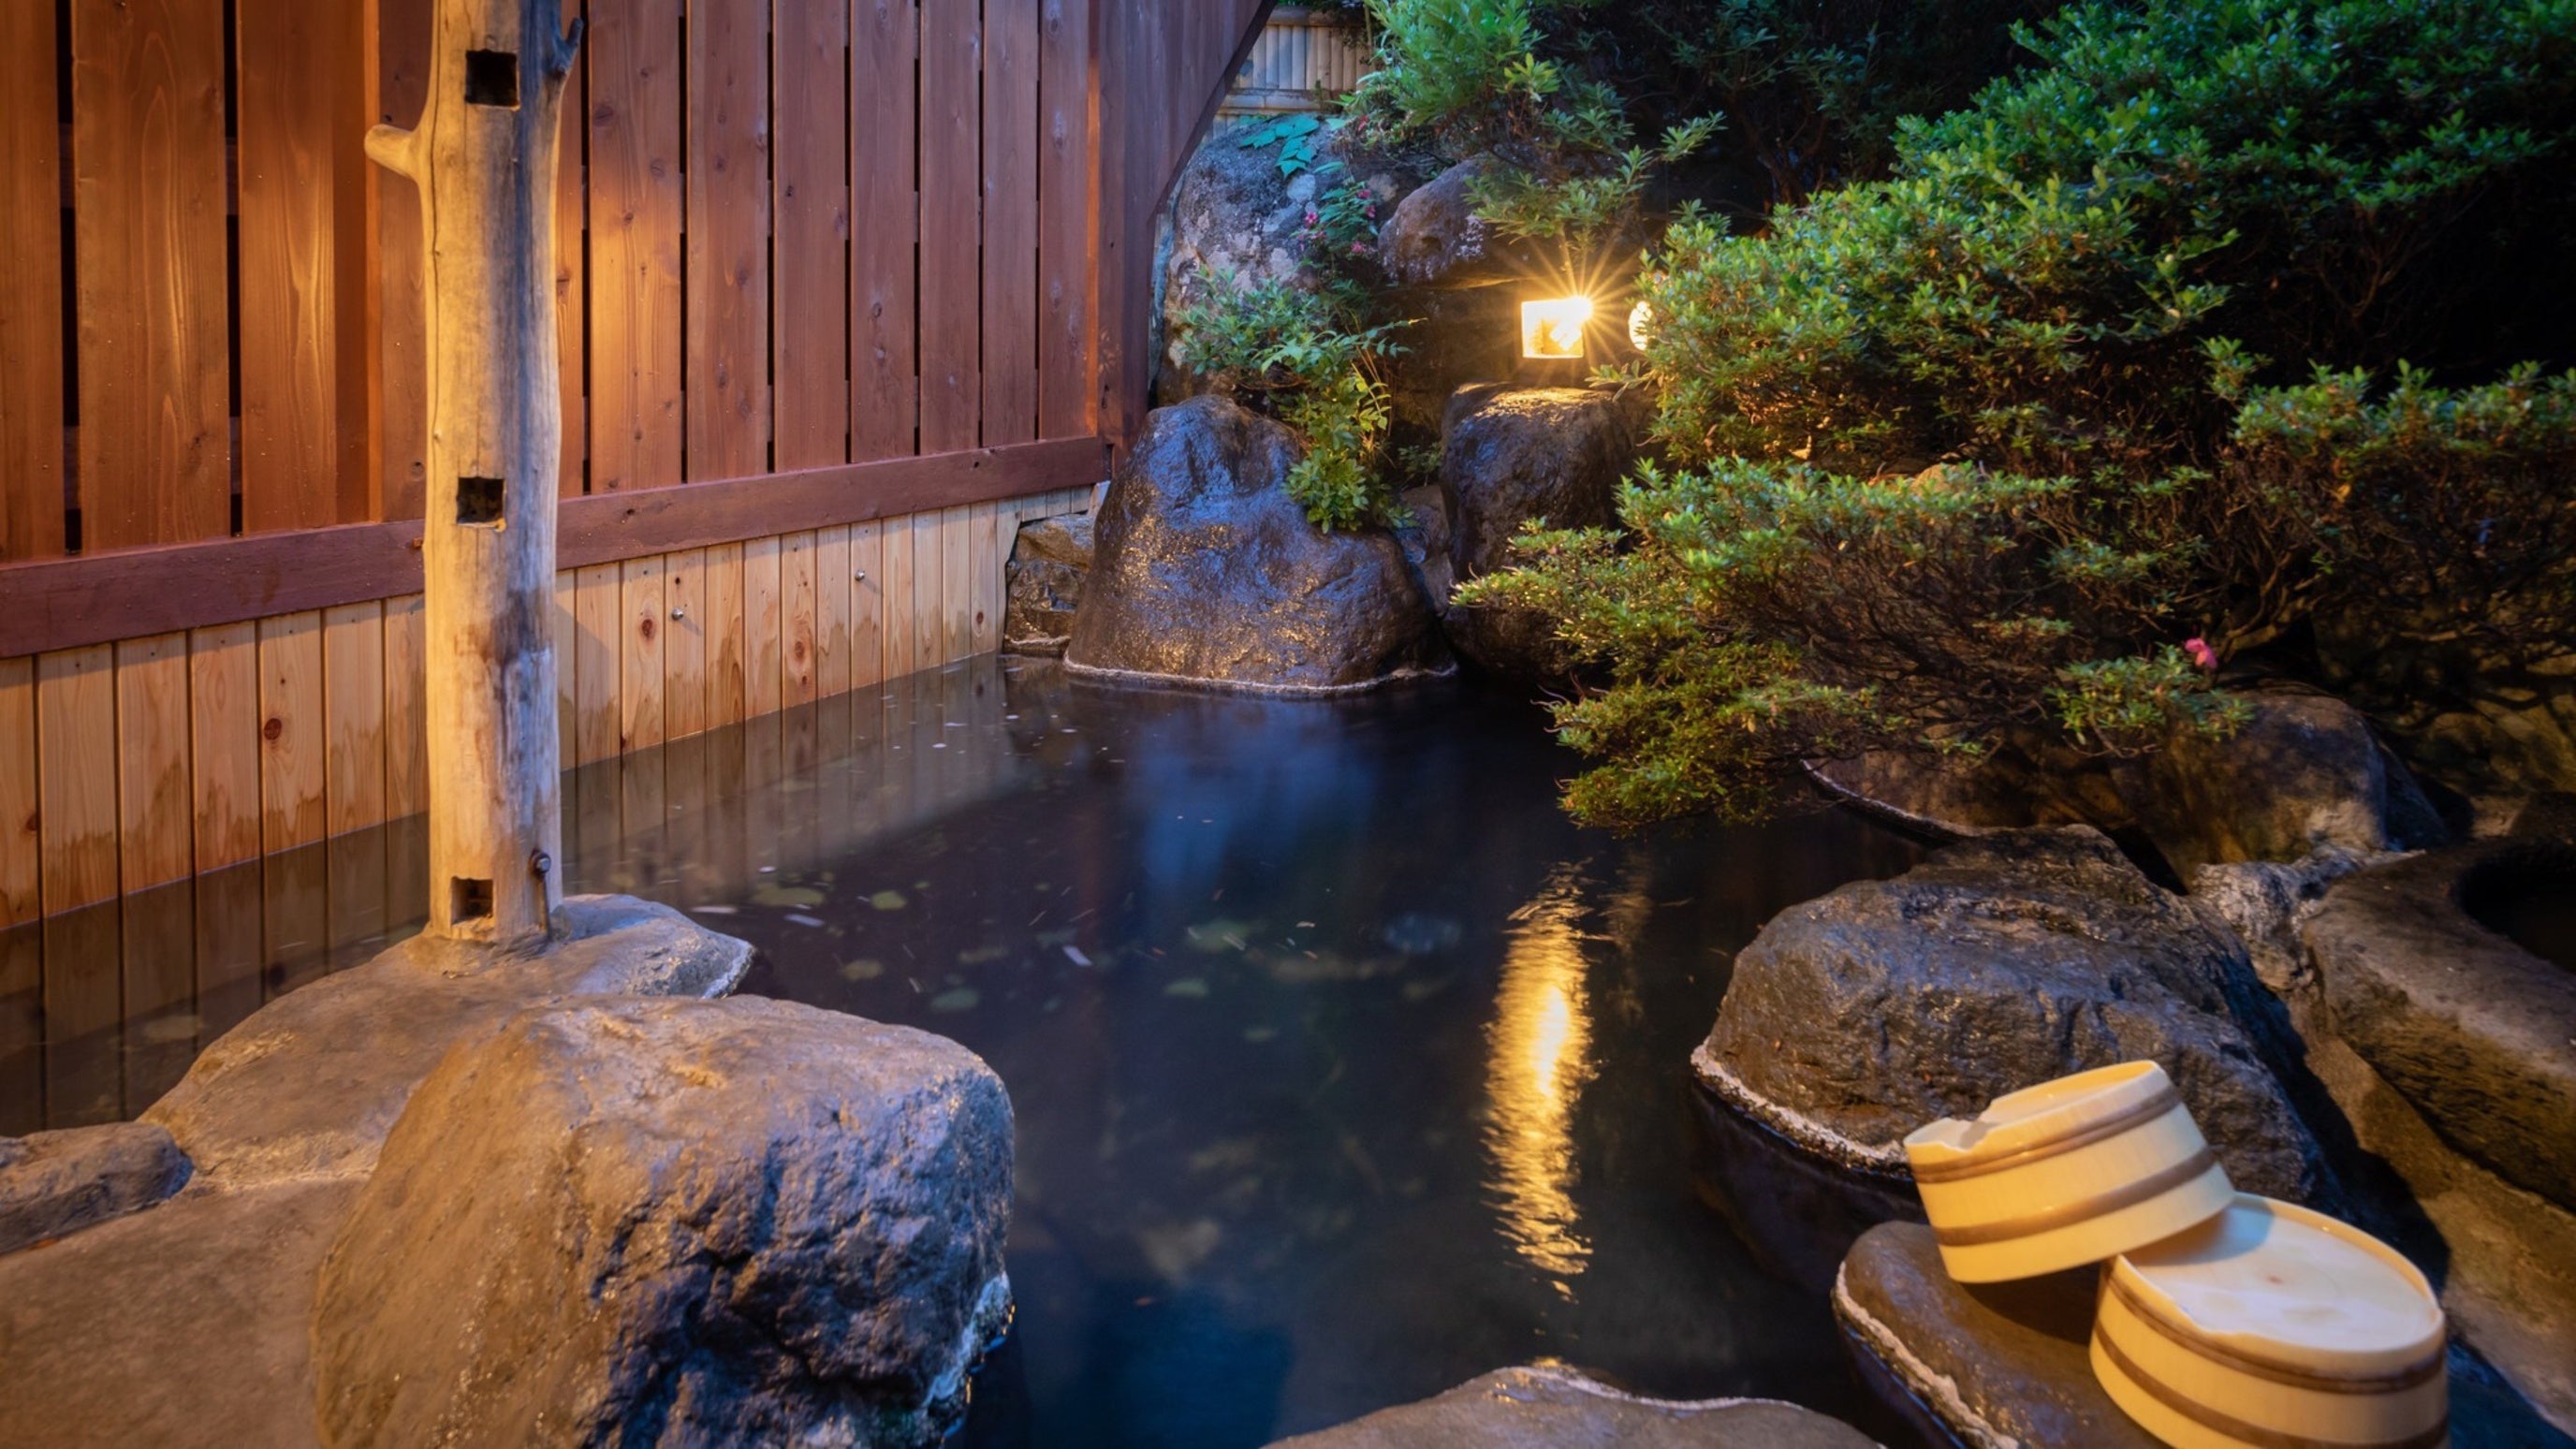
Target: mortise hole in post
{"type": "Point", "coordinates": [469, 900]}
{"type": "Point", "coordinates": [478, 500]}
{"type": "Point", "coordinates": [492, 79]}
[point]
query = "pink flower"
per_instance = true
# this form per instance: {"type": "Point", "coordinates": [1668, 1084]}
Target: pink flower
{"type": "Point", "coordinates": [2202, 656]}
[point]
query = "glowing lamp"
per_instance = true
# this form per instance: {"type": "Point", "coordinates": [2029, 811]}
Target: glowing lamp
{"type": "Point", "coordinates": [1554, 327]}
{"type": "Point", "coordinates": [1641, 325]}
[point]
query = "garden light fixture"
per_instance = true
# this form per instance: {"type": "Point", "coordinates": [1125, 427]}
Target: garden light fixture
{"type": "Point", "coordinates": [1553, 327]}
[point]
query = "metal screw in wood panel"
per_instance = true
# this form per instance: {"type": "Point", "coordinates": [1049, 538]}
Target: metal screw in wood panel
{"type": "Point", "coordinates": [678, 613]}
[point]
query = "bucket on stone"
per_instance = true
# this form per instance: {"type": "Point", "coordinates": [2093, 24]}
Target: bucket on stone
{"type": "Point", "coordinates": [2065, 1173]}
{"type": "Point", "coordinates": [2273, 1326]}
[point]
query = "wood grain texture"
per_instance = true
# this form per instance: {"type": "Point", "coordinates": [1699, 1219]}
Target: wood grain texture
{"type": "Point", "coordinates": [728, 239]}
{"type": "Point", "coordinates": [294, 745]}
{"type": "Point", "coordinates": [799, 619]}
{"type": "Point", "coordinates": [1010, 216]}
{"type": "Point", "coordinates": [885, 391]}
{"type": "Point", "coordinates": [572, 270]}
{"type": "Point", "coordinates": [353, 708]}
{"type": "Point", "coordinates": [407, 703]}
{"type": "Point", "coordinates": [640, 655]}
{"type": "Point", "coordinates": [223, 728]}
{"type": "Point", "coordinates": [636, 203]}
{"type": "Point", "coordinates": [764, 624]}
{"type": "Point", "coordinates": [148, 207]}
{"type": "Point", "coordinates": [302, 115]}
{"type": "Point", "coordinates": [76, 760]}
{"type": "Point", "coordinates": [155, 813]}
{"type": "Point", "coordinates": [599, 671]}
{"type": "Point", "coordinates": [867, 605]}
{"type": "Point", "coordinates": [929, 593]}
{"type": "Point", "coordinates": [31, 287]}
{"type": "Point", "coordinates": [21, 844]}
{"type": "Point", "coordinates": [53, 604]}
{"type": "Point", "coordinates": [832, 585]}
{"type": "Point", "coordinates": [684, 658]}
{"type": "Point", "coordinates": [951, 234]}
{"type": "Point", "coordinates": [84, 1081]}
{"type": "Point", "coordinates": [957, 584]}
{"type": "Point", "coordinates": [397, 406]}
{"type": "Point", "coordinates": [811, 190]}
{"type": "Point", "coordinates": [728, 660]}
{"type": "Point", "coordinates": [1068, 215]}
{"type": "Point", "coordinates": [567, 665]}
{"type": "Point", "coordinates": [990, 540]}
{"type": "Point", "coordinates": [896, 596]}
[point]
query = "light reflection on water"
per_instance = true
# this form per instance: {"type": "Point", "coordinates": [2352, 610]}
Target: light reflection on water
{"type": "Point", "coordinates": [1542, 1038]}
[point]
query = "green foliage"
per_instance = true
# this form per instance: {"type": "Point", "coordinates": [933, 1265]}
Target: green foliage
{"type": "Point", "coordinates": [1298, 138]}
{"type": "Point", "coordinates": [1974, 450]}
{"type": "Point", "coordinates": [1299, 354]}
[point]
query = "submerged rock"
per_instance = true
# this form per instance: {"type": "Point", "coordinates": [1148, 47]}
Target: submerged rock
{"type": "Point", "coordinates": [1999, 963]}
{"type": "Point", "coordinates": [52, 1183]}
{"type": "Point", "coordinates": [1548, 1407]}
{"type": "Point", "coordinates": [674, 1222]}
{"type": "Point", "coordinates": [1511, 455]}
{"type": "Point", "coordinates": [1049, 561]}
{"type": "Point", "coordinates": [1207, 573]}
{"type": "Point", "coordinates": [310, 1084]}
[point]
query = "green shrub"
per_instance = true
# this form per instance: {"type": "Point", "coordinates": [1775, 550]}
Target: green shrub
{"type": "Point", "coordinates": [1981, 448]}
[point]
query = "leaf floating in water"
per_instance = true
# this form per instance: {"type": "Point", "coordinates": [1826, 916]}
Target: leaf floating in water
{"type": "Point", "coordinates": [715, 910]}
{"type": "Point", "coordinates": [962, 998]}
{"type": "Point", "coordinates": [779, 895]}
{"type": "Point", "coordinates": [801, 919]}
{"type": "Point", "coordinates": [866, 968]}
{"type": "Point", "coordinates": [1192, 987]}
{"type": "Point", "coordinates": [888, 901]}
{"type": "Point", "coordinates": [1221, 934]}
{"type": "Point", "coordinates": [1074, 954]}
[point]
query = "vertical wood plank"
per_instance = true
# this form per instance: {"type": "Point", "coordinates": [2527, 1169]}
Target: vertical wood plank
{"type": "Point", "coordinates": [83, 1006]}
{"type": "Point", "coordinates": [992, 533]}
{"type": "Point", "coordinates": [21, 845]}
{"type": "Point", "coordinates": [31, 288]}
{"type": "Point", "coordinates": [800, 619]}
{"type": "Point", "coordinates": [728, 666]}
{"type": "Point", "coordinates": [155, 814]}
{"type": "Point", "coordinates": [728, 240]}
{"type": "Point", "coordinates": [223, 725]}
{"type": "Point", "coordinates": [595, 704]}
{"type": "Point", "coordinates": [763, 623]}
{"type": "Point", "coordinates": [398, 412]}
{"type": "Point", "coordinates": [148, 206]}
{"type": "Point", "coordinates": [951, 279]}
{"type": "Point", "coordinates": [407, 698]}
{"type": "Point", "coordinates": [567, 666]}
{"type": "Point", "coordinates": [293, 746]}
{"type": "Point", "coordinates": [832, 584]}
{"type": "Point", "coordinates": [635, 210]}
{"type": "Point", "coordinates": [957, 584]}
{"type": "Point", "coordinates": [1068, 238]}
{"type": "Point", "coordinates": [812, 189]}
{"type": "Point", "coordinates": [867, 604]}
{"type": "Point", "coordinates": [301, 118]}
{"type": "Point", "coordinates": [901, 642]}
{"type": "Point", "coordinates": [640, 654]}
{"type": "Point", "coordinates": [1010, 187]}
{"type": "Point", "coordinates": [684, 661]}
{"type": "Point", "coordinates": [885, 42]}
{"type": "Point", "coordinates": [76, 763]}
{"type": "Point", "coordinates": [572, 271]}
{"type": "Point", "coordinates": [353, 707]}
{"type": "Point", "coordinates": [929, 592]}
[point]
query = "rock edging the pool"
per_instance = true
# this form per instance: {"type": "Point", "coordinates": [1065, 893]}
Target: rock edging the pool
{"type": "Point", "coordinates": [372, 1110]}
{"type": "Point", "coordinates": [1547, 1406]}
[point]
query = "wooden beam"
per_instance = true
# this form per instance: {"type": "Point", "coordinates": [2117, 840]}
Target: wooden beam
{"type": "Point", "coordinates": [51, 604]}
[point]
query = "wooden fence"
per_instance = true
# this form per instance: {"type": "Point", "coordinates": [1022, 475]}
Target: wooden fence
{"type": "Point", "coordinates": [842, 281]}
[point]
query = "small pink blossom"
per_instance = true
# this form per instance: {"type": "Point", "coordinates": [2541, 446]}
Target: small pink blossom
{"type": "Point", "coordinates": [2202, 656]}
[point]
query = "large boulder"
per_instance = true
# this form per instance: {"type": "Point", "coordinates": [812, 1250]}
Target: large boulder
{"type": "Point", "coordinates": [1435, 239]}
{"type": "Point", "coordinates": [674, 1222]}
{"type": "Point", "coordinates": [1509, 456]}
{"type": "Point", "coordinates": [1548, 1407]}
{"type": "Point", "coordinates": [1049, 561]}
{"type": "Point", "coordinates": [2473, 1029]}
{"type": "Point", "coordinates": [52, 1183]}
{"type": "Point", "coordinates": [1999, 963]}
{"type": "Point", "coordinates": [310, 1084]}
{"type": "Point", "coordinates": [2305, 773]}
{"type": "Point", "coordinates": [1207, 573]}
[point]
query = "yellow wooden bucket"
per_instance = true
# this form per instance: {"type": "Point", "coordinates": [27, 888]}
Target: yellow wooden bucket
{"type": "Point", "coordinates": [2065, 1173]}
{"type": "Point", "coordinates": [2277, 1327]}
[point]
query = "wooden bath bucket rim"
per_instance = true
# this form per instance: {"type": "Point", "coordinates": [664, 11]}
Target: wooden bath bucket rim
{"type": "Point", "coordinates": [2238, 1429]}
{"type": "Point", "coordinates": [2066, 1113]}
{"type": "Point", "coordinates": [2344, 1371]}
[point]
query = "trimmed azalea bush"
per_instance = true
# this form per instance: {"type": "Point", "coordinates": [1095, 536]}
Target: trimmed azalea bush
{"type": "Point", "coordinates": [1994, 446]}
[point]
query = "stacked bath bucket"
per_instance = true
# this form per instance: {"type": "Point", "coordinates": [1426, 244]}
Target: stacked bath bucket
{"type": "Point", "coordinates": [2225, 1320]}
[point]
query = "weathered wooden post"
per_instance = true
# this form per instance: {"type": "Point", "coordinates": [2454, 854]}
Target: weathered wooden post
{"type": "Point", "coordinates": [483, 157]}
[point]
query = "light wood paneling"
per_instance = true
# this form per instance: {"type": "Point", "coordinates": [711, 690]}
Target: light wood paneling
{"type": "Point", "coordinates": [902, 640]}
{"type": "Point", "coordinates": [832, 584]}
{"type": "Point", "coordinates": [929, 592]}
{"type": "Point", "coordinates": [294, 740]}
{"type": "Point", "coordinates": [76, 755]}
{"type": "Point", "coordinates": [641, 654]}
{"type": "Point", "coordinates": [957, 584]}
{"type": "Point", "coordinates": [353, 703]}
{"type": "Point", "coordinates": [728, 240]}
{"type": "Point", "coordinates": [635, 210]}
{"type": "Point", "coordinates": [684, 664]}
{"type": "Point", "coordinates": [567, 665]}
{"type": "Point", "coordinates": [21, 844]}
{"type": "Point", "coordinates": [867, 605]}
{"type": "Point", "coordinates": [800, 620]}
{"type": "Point", "coordinates": [811, 185]}
{"type": "Point", "coordinates": [599, 674]}
{"type": "Point", "coordinates": [407, 700]}
{"type": "Point", "coordinates": [223, 726]}
{"type": "Point", "coordinates": [155, 814]}
{"type": "Point", "coordinates": [728, 663]}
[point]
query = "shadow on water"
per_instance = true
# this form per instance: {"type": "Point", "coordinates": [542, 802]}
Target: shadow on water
{"type": "Point", "coordinates": [1346, 1068]}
